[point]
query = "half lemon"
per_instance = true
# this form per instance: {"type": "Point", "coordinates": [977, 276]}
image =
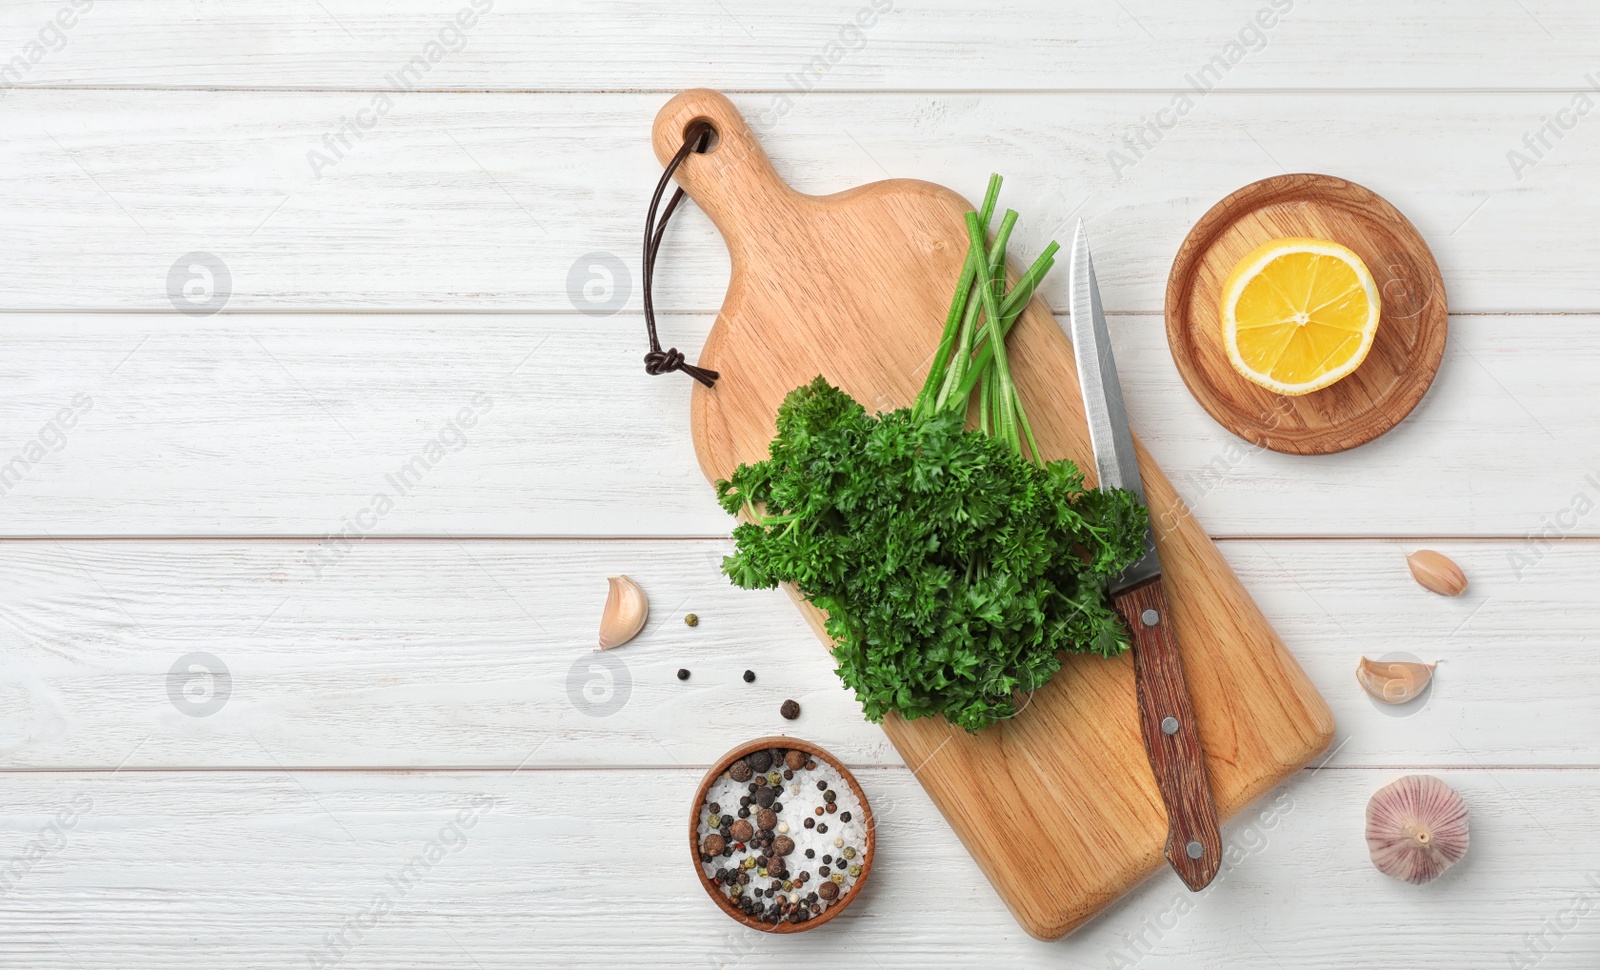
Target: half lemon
{"type": "Point", "coordinates": [1299, 314]}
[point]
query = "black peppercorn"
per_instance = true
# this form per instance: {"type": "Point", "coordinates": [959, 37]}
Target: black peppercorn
{"type": "Point", "coordinates": [844, 816]}
{"type": "Point", "coordinates": [811, 823]}
{"type": "Point", "coordinates": [715, 808]}
{"type": "Point", "coordinates": [811, 853]}
{"type": "Point", "coordinates": [749, 676]}
{"type": "Point", "coordinates": [744, 800]}
{"type": "Point", "coordinates": [822, 786]}
{"type": "Point", "coordinates": [822, 826]}
{"type": "Point", "coordinates": [788, 775]}
{"type": "Point", "coordinates": [827, 858]}
{"type": "Point", "coordinates": [777, 806]}
{"type": "Point", "coordinates": [740, 771]}
{"type": "Point", "coordinates": [744, 813]}
{"type": "Point", "coordinates": [811, 765]}
{"type": "Point", "coordinates": [760, 760]}
{"type": "Point", "coordinates": [683, 673]}
{"type": "Point", "coordinates": [790, 710]}
{"type": "Point", "coordinates": [823, 870]}
{"type": "Point", "coordinates": [829, 795]}
{"type": "Point", "coordinates": [832, 807]}
{"type": "Point", "coordinates": [765, 797]}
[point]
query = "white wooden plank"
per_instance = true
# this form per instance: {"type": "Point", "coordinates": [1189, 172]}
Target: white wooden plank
{"type": "Point", "coordinates": [585, 869]}
{"type": "Point", "coordinates": [289, 425]}
{"type": "Point", "coordinates": [417, 654]}
{"type": "Point", "coordinates": [746, 45]}
{"type": "Point", "coordinates": [479, 202]}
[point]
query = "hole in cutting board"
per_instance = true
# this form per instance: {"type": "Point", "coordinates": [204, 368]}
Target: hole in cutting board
{"type": "Point", "coordinates": [713, 139]}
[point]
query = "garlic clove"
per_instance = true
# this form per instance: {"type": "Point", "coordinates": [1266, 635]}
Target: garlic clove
{"type": "Point", "coordinates": [1416, 828]}
{"type": "Point", "coordinates": [1437, 572]}
{"type": "Point", "coordinates": [1393, 681]}
{"type": "Point", "coordinates": [626, 610]}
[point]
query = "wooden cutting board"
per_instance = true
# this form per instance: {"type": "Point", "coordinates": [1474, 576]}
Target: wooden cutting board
{"type": "Point", "coordinates": [1058, 806]}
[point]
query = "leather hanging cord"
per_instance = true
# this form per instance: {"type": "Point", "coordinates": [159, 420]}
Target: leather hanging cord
{"type": "Point", "coordinates": [659, 361]}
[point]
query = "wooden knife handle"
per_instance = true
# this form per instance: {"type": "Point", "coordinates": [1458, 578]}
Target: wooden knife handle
{"type": "Point", "coordinates": [1171, 737]}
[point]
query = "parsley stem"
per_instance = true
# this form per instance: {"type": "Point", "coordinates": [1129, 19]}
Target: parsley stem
{"type": "Point", "coordinates": [929, 397]}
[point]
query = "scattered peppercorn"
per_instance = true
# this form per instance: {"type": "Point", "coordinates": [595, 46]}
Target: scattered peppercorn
{"type": "Point", "coordinates": [714, 844]}
{"type": "Point", "coordinates": [855, 870]}
{"type": "Point", "coordinates": [742, 830]}
{"type": "Point", "coordinates": [823, 870]}
{"type": "Point", "coordinates": [683, 673]}
{"type": "Point", "coordinates": [811, 853]}
{"type": "Point", "coordinates": [811, 823]}
{"type": "Point", "coordinates": [829, 795]}
{"type": "Point", "coordinates": [844, 816]}
{"type": "Point", "coordinates": [749, 676]}
{"type": "Point", "coordinates": [760, 760]}
{"type": "Point", "coordinates": [832, 807]}
{"type": "Point", "coordinates": [766, 819]}
{"type": "Point", "coordinates": [828, 891]}
{"type": "Point", "coordinates": [740, 771]}
{"type": "Point", "coordinates": [849, 852]}
{"type": "Point", "coordinates": [794, 760]}
{"type": "Point", "coordinates": [822, 786]}
{"type": "Point", "coordinates": [691, 619]}
{"type": "Point", "coordinates": [822, 826]}
{"type": "Point", "coordinates": [783, 845]}
{"type": "Point", "coordinates": [811, 765]}
{"type": "Point", "coordinates": [790, 710]}
{"type": "Point", "coordinates": [765, 797]}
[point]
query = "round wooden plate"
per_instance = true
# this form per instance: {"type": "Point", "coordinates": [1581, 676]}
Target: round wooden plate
{"type": "Point", "coordinates": [869, 846]}
{"type": "Point", "coordinates": [1406, 351]}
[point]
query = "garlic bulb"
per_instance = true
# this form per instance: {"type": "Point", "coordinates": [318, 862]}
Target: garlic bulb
{"type": "Point", "coordinates": [626, 610]}
{"type": "Point", "coordinates": [1416, 828]}
{"type": "Point", "coordinates": [1393, 681]}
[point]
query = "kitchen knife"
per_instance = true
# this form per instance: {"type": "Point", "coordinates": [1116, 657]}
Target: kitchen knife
{"type": "Point", "coordinates": [1166, 718]}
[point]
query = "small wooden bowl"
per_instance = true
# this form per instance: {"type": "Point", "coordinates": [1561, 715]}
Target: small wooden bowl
{"type": "Point", "coordinates": [849, 779]}
{"type": "Point", "coordinates": [1411, 333]}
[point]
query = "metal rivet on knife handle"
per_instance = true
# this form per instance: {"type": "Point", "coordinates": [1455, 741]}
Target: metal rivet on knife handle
{"type": "Point", "coordinates": [1169, 725]}
{"type": "Point", "coordinates": [1195, 849]}
{"type": "Point", "coordinates": [1150, 617]}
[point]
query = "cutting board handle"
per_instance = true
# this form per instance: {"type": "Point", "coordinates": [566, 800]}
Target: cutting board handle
{"type": "Point", "coordinates": [734, 183]}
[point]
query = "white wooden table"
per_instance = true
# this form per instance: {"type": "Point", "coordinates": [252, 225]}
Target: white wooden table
{"type": "Point", "coordinates": [421, 688]}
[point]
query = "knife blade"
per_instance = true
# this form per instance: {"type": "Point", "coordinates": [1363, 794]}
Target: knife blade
{"type": "Point", "coordinates": [1166, 716]}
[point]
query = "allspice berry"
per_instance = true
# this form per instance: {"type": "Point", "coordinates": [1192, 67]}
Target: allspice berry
{"type": "Point", "coordinates": [790, 709]}
{"type": "Point", "coordinates": [760, 761]}
{"type": "Point", "coordinates": [783, 845]}
{"type": "Point", "coordinates": [767, 819]}
{"type": "Point", "coordinates": [740, 771]}
{"type": "Point", "coordinates": [794, 760]}
{"type": "Point", "coordinates": [714, 844]}
{"type": "Point", "coordinates": [828, 891]}
{"type": "Point", "coordinates": [742, 831]}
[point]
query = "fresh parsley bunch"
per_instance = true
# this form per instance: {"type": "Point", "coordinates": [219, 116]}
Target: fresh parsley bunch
{"type": "Point", "coordinates": [954, 566]}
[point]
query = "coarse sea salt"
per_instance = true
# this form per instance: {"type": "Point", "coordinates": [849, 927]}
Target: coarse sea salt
{"type": "Point", "coordinates": [799, 798]}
